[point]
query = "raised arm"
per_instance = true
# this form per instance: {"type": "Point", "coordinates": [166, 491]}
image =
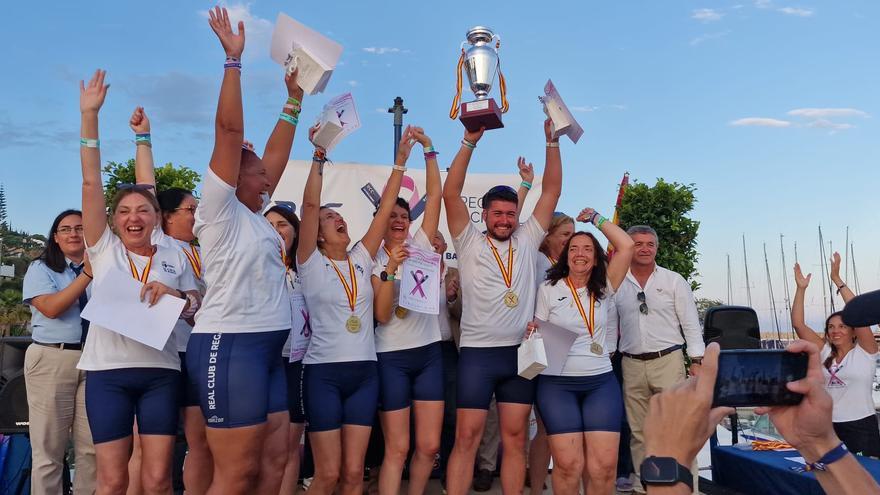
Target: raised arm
{"type": "Point", "coordinates": [551, 184]}
{"type": "Point", "coordinates": [281, 140]}
{"type": "Point", "coordinates": [797, 308]}
{"type": "Point", "coordinates": [527, 174]}
{"type": "Point", "coordinates": [311, 205]}
{"type": "Point", "coordinates": [457, 216]}
{"type": "Point", "coordinates": [863, 334]}
{"type": "Point", "coordinates": [94, 208]}
{"type": "Point", "coordinates": [373, 238]}
{"type": "Point", "coordinates": [431, 217]}
{"type": "Point", "coordinates": [622, 242]}
{"type": "Point", "coordinates": [144, 169]}
{"type": "Point", "coordinates": [229, 123]}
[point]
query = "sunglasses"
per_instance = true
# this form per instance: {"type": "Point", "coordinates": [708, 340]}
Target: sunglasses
{"type": "Point", "coordinates": [135, 187]}
{"type": "Point", "coordinates": [67, 230]}
{"type": "Point", "coordinates": [643, 307]}
{"type": "Point", "coordinates": [289, 206]}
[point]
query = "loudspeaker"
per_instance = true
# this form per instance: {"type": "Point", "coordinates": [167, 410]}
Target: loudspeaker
{"type": "Point", "coordinates": [13, 394]}
{"type": "Point", "coordinates": [733, 327]}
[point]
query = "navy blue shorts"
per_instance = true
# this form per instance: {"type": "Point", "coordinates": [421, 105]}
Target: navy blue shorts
{"type": "Point", "coordinates": [239, 377]}
{"type": "Point", "coordinates": [189, 396]}
{"type": "Point", "coordinates": [294, 392]}
{"type": "Point", "coordinates": [410, 374]}
{"type": "Point", "coordinates": [573, 404]}
{"type": "Point", "coordinates": [483, 371]}
{"type": "Point", "coordinates": [337, 394]}
{"type": "Point", "coordinates": [114, 398]}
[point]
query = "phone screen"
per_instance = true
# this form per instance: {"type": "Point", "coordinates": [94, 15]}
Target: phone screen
{"type": "Point", "coordinates": [758, 377]}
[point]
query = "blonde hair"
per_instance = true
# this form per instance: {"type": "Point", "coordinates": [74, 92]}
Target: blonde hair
{"type": "Point", "coordinates": [558, 220]}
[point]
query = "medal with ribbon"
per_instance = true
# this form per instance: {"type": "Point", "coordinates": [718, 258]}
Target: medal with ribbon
{"type": "Point", "coordinates": [134, 271]}
{"type": "Point", "coordinates": [195, 260]}
{"type": "Point", "coordinates": [595, 347]}
{"type": "Point", "coordinates": [511, 300]}
{"type": "Point", "coordinates": [353, 323]}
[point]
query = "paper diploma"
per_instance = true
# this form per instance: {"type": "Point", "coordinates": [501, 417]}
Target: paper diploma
{"type": "Point", "coordinates": [116, 305]}
{"type": "Point", "coordinates": [557, 343]}
{"type": "Point", "coordinates": [420, 281]}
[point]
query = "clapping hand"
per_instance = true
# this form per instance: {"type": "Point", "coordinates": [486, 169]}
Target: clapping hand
{"type": "Point", "coordinates": [800, 280]}
{"type": "Point", "coordinates": [233, 44]}
{"type": "Point", "coordinates": [586, 215]}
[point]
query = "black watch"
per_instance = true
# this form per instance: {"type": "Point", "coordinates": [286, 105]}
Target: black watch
{"type": "Point", "coordinates": [385, 276]}
{"type": "Point", "coordinates": [665, 471]}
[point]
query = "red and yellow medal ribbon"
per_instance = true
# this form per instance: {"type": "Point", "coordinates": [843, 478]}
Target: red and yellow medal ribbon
{"type": "Point", "coordinates": [134, 271]}
{"type": "Point", "coordinates": [192, 254]}
{"type": "Point", "coordinates": [387, 251]}
{"type": "Point", "coordinates": [507, 274]}
{"type": "Point", "coordinates": [453, 112]}
{"type": "Point", "coordinates": [577, 300]}
{"type": "Point", "coordinates": [552, 259]}
{"type": "Point", "coordinates": [351, 292]}
{"type": "Point", "coordinates": [502, 84]}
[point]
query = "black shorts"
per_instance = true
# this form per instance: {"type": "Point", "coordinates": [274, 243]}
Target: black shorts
{"type": "Point", "coordinates": [861, 436]}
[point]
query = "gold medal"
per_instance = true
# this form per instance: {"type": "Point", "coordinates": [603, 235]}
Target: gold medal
{"type": "Point", "coordinates": [353, 324]}
{"type": "Point", "coordinates": [511, 300]}
{"type": "Point", "coordinates": [596, 349]}
{"type": "Point", "coordinates": [401, 312]}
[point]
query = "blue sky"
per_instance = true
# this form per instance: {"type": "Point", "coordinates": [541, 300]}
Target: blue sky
{"type": "Point", "coordinates": [769, 107]}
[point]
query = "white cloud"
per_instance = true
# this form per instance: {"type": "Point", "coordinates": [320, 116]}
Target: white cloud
{"type": "Point", "coordinates": [760, 122]}
{"type": "Point", "coordinates": [821, 113]}
{"type": "Point", "coordinates": [796, 11]}
{"type": "Point", "coordinates": [827, 124]}
{"type": "Point", "coordinates": [708, 37]}
{"type": "Point", "coordinates": [706, 15]}
{"type": "Point", "coordinates": [258, 31]}
{"type": "Point", "coordinates": [352, 83]}
{"type": "Point", "coordinates": [583, 108]}
{"type": "Point", "coordinates": [382, 50]}
{"type": "Point", "coordinates": [763, 4]}
{"type": "Point", "coordinates": [381, 110]}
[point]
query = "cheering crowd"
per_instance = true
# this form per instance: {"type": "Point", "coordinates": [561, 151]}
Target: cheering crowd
{"type": "Point", "coordinates": [288, 326]}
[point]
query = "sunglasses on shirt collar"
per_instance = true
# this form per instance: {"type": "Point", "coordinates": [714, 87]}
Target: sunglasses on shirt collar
{"type": "Point", "coordinates": [643, 307]}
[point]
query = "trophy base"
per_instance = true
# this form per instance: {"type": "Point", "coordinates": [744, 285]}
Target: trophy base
{"type": "Point", "coordinates": [481, 113]}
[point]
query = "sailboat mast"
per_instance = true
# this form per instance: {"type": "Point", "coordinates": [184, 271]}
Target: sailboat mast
{"type": "Point", "coordinates": [846, 257]}
{"type": "Point", "coordinates": [770, 293]}
{"type": "Point", "coordinates": [746, 264]}
{"type": "Point", "coordinates": [785, 286]}
{"type": "Point", "coordinates": [822, 272]}
{"type": "Point", "coordinates": [729, 284]}
{"type": "Point", "coordinates": [855, 273]}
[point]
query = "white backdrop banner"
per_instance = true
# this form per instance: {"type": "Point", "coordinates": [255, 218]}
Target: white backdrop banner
{"type": "Point", "coordinates": [353, 189]}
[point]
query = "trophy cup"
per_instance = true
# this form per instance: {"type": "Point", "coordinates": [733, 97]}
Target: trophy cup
{"type": "Point", "coordinates": [481, 63]}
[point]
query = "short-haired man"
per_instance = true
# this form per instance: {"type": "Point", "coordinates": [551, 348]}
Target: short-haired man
{"type": "Point", "coordinates": [657, 316]}
{"type": "Point", "coordinates": [497, 271]}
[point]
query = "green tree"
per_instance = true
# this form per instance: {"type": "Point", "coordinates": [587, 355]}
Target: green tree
{"type": "Point", "coordinates": [703, 304]}
{"type": "Point", "coordinates": [665, 207]}
{"type": "Point", "coordinates": [166, 176]}
{"type": "Point", "coordinates": [4, 226]}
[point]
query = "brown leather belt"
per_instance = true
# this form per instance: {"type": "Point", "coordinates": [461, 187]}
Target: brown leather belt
{"type": "Point", "coordinates": [63, 346]}
{"type": "Point", "coordinates": [652, 355]}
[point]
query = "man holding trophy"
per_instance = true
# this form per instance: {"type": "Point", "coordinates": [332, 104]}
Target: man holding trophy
{"type": "Point", "coordinates": [498, 286]}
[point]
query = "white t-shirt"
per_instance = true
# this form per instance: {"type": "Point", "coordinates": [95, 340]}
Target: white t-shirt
{"type": "Point", "coordinates": [329, 309]}
{"type": "Point", "coordinates": [485, 320]}
{"type": "Point", "coordinates": [243, 268]}
{"type": "Point", "coordinates": [850, 384]}
{"type": "Point", "coordinates": [108, 350]}
{"type": "Point", "coordinates": [416, 329]}
{"type": "Point", "coordinates": [555, 304]}
{"type": "Point", "coordinates": [182, 329]}
{"type": "Point", "coordinates": [300, 330]}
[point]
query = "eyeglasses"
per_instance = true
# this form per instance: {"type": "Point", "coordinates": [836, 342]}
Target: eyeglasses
{"type": "Point", "coordinates": [135, 187]}
{"type": "Point", "coordinates": [643, 308]}
{"type": "Point", "coordinates": [67, 230]}
{"type": "Point", "coordinates": [191, 209]}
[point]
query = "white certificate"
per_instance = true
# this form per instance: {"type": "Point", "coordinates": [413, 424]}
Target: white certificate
{"type": "Point", "coordinates": [420, 281]}
{"type": "Point", "coordinates": [116, 305]}
{"type": "Point", "coordinates": [301, 331]}
{"type": "Point", "coordinates": [557, 343]}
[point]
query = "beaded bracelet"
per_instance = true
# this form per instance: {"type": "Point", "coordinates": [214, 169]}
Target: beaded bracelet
{"type": "Point", "coordinates": [232, 63]}
{"type": "Point", "coordinates": [468, 144]}
{"type": "Point", "coordinates": [290, 119]}
{"type": "Point", "coordinates": [526, 184]}
{"type": "Point", "coordinates": [89, 143]}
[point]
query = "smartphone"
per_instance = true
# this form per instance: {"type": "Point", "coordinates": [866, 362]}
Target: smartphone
{"type": "Point", "coordinates": [757, 377]}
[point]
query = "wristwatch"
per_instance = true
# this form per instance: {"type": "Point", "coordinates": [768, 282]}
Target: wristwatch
{"type": "Point", "coordinates": [665, 471]}
{"type": "Point", "coordinates": [386, 277]}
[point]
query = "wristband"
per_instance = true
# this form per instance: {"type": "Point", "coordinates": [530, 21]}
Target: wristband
{"type": "Point", "coordinates": [320, 155]}
{"type": "Point", "coordinates": [552, 144]}
{"type": "Point", "coordinates": [293, 101]}
{"type": "Point", "coordinates": [600, 222]}
{"type": "Point", "coordinates": [840, 288]}
{"type": "Point", "coordinates": [233, 59]}
{"type": "Point", "coordinates": [89, 143]}
{"type": "Point", "coordinates": [431, 154]}
{"type": "Point", "coordinates": [400, 168]}
{"type": "Point", "coordinates": [232, 63]}
{"type": "Point", "coordinates": [468, 144]}
{"type": "Point", "coordinates": [429, 149]}
{"type": "Point", "coordinates": [527, 185]}
{"type": "Point", "coordinates": [142, 139]}
{"type": "Point", "coordinates": [833, 455]}
{"type": "Point", "coordinates": [295, 109]}
{"type": "Point", "coordinates": [290, 119]}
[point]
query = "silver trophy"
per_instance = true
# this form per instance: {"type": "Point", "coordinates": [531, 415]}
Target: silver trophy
{"type": "Point", "coordinates": [481, 63]}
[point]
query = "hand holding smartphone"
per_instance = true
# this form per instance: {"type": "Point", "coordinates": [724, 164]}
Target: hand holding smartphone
{"type": "Point", "coordinates": [758, 377]}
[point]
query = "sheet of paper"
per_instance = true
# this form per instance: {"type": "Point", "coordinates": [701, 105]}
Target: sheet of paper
{"type": "Point", "coordinates": [420, 281]}
{"type": "Point", "coordinates": [289, 35]}
{"type": "Point", "coordinates": [564, 122]}
{"type": "Point", "coordinates": [347, 115]}
{"type": "Point", "coordinates": [557, 343]}
{"type": "Point", "coordinates": [115, 305]}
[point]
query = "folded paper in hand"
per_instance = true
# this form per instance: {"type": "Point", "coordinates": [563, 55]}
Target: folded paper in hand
{"type": "Point", "coordinates": [338, 119]}
{"type": "Point", "coordinates": [297, 46]}
{"type": "Point", "coordinates": [531, 356]}
{"type": "Point", "coordinates": [563, 122]}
